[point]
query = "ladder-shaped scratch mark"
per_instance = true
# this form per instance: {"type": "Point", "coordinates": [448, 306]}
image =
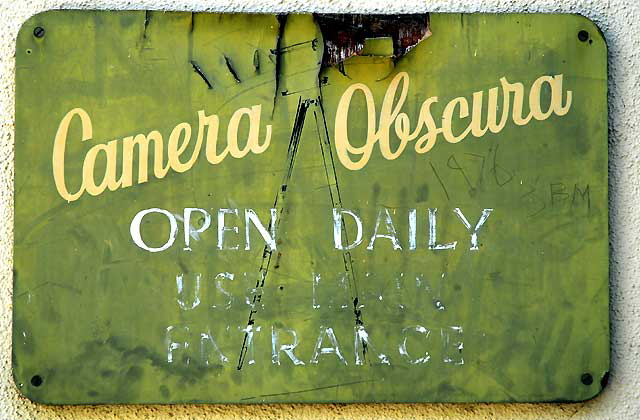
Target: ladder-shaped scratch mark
{"type": "Point", "coordinates": [282, 19]}
{"type": "Point", "coordinates": [287, 93]}
{"type": "Point", "coordinates": [267, 253]}
{"type": "Point", "coordinates": [336, 201]}
{"type": "Point", "coordinates": [281, 50]}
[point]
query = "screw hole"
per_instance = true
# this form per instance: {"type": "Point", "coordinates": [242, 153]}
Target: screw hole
{"type": "Point", "coordinates": [586, 379]}
{"type": "Point", "coordinates": [36, 380]}
{"type": "Point", "coordinates": [281, 287]}
{"type": "Point", "coordinates": [583, 36]}
{"type": "Point", "coordinates": [38, 32]}
{"type": "Point", "coordinates": [28, 51]}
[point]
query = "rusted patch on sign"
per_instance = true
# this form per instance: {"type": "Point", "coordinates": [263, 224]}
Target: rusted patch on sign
{"type": "Point", "coordinates": [344, 35]}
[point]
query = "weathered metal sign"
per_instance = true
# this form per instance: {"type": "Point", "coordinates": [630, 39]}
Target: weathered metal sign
{"type": "Point", "coordinates": [257, 208]}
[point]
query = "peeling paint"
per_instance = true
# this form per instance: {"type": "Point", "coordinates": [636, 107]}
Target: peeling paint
{"type": "Point", "coordinates": [345, 34]}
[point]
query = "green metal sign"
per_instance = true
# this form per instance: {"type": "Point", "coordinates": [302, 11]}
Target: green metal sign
{"type": "Point", "coordinates": [260, 208]}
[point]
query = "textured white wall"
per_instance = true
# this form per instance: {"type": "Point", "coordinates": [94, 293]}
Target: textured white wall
{"type": "Point", "coordinates": [620, 22]}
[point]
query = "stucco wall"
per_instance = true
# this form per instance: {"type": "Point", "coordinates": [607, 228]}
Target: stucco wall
{"type": "Point", "coordinates": [618, 19]}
